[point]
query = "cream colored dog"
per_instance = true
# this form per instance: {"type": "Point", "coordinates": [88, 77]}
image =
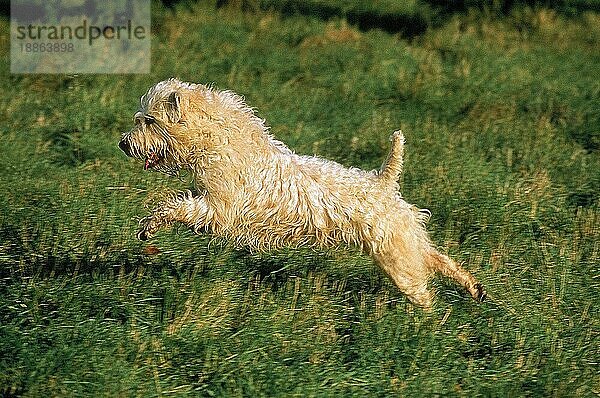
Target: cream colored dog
{"type": "Point", "coordinates": [252, 189]}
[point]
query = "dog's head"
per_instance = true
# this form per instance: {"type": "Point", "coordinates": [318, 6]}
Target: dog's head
{"type": "Point", "coordinates": [190, 126]}
{"type": "Point", "coordinates": [159, 136]}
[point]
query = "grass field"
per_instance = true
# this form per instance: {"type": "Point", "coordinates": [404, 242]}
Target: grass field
{"type": "Point", "coordinates": [501, 110]}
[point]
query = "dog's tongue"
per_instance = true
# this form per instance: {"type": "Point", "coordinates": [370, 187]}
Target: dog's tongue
{"type": "Point", "coordinates": [151, 160]}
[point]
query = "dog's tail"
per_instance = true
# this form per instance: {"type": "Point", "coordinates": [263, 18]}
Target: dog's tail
{"type": "Point", "coordinates": [392, 167]}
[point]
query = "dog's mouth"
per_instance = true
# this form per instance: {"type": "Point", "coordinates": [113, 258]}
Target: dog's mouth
{"type": "Point", "coordinates": [152, 160]}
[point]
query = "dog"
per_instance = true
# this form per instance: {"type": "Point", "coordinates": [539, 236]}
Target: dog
{"type": "Point", "coordinates": [253, 190]}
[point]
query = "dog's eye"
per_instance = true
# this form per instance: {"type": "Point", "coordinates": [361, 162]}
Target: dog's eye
{"type": "Point", "coordinates": [137, 118]}
{"type": "Point", "coordinates": [149, 120]}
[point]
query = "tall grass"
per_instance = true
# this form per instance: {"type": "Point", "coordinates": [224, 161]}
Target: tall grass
{"type": "Point", "coordinates": [500, 114]}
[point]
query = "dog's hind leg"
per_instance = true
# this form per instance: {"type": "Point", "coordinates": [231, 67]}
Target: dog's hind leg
{"type": "Point", "coordinates": [448, 267]}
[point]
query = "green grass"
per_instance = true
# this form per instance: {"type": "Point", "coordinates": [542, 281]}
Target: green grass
{"type": "Point", "coordinates": [503, 137]}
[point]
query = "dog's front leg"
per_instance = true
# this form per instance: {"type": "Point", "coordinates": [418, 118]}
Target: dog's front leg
{"type": "Point", "coordinates": [182, 207]}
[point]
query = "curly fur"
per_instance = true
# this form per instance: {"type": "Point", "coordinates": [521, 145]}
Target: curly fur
{"type": "Point", "coordinates": [255, 191]}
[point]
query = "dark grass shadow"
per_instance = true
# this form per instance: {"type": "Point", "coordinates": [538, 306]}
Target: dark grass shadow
{"type": "Point", "coordinates": [429, 13]}
{"type": "Point", "coordinates": [28, 254]}
{"type": "Point", "coordinates": [276, 268]}
{"type": "Point", "coordinates": [409, 23]}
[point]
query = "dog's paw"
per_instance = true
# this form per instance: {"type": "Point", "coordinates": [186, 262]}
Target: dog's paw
{"type": "Point", "coordinates": [479, 294]}
{"type": "Point", "coordinates": [147, 228]}
{"type": "Point", "coordinates": [143, 235]}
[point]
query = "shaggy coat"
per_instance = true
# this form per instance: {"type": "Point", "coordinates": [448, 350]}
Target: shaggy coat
{"type": "Point", "coordinates": [254, 191]}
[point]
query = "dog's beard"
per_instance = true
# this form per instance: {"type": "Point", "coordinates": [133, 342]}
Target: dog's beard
{"type": "Point", "coordinates": [155, 149]}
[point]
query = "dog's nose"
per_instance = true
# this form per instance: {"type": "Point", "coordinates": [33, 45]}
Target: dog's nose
{"type": "Point", "coordinates": [124, 145]}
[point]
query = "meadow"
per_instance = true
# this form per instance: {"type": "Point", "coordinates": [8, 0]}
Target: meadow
{"type": "Point", "coordinates": [500, 105]}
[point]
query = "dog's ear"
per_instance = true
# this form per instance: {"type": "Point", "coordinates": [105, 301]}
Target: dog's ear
{"type": "Point", "coordinates": [173, 107]}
